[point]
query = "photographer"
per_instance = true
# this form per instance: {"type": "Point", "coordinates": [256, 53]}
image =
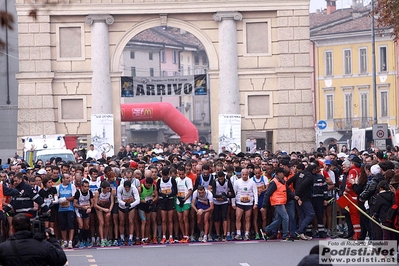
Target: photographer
{"type": "Point", "coordinates": [23, 249]}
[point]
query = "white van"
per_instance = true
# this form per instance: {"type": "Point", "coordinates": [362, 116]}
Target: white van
{"type": "Point", "coordinates": [46, 155]}
{"type": "Point", "coordinates": [362, 137]}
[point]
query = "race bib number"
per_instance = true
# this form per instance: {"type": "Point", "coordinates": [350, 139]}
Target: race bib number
{"type": "Point", "coordinates": [128, 200]}
{"type": "Point", "coordinates": [103, 202]}
{"type": "Point", "coordinates": [181, 194]}
{"type": "Point", "coordinates": [65, 204]}
{"type": "Point", "coordinates": [245, 198]}
{"type": "Point", "coordinates": [166, 191]}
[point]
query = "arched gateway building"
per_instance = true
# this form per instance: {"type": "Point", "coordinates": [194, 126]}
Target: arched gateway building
{"type": "Point", "coordinates": [259, 72]}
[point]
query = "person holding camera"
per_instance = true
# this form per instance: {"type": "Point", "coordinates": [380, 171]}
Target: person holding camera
{"type": "Point", "coordinates": [23, 249]}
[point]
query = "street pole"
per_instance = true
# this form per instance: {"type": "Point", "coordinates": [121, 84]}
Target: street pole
{"type": "Point", "coordinates": [373, 64]}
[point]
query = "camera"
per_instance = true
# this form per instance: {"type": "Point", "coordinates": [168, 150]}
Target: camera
{"type": "Point", "coordinates": [38, 227]}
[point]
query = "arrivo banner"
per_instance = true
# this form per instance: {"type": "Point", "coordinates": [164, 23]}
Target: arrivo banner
{"type": "Point", "coordinates": [163, 86]}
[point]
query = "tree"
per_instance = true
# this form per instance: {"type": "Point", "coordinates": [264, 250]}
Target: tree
{"type": "Point", "coordinates": [387, 13]}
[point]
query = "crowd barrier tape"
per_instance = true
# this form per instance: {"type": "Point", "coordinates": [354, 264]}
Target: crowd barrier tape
{"type": "Point", "coordinates": [368, 216]}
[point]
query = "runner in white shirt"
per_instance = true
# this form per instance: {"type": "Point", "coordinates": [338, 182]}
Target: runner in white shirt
{"type": "Point", "coordinates": [202, 204]}
{"type": "Point", "coordinates": [246, 199]}
{"type": "Point", "coordinates": [183, 201]}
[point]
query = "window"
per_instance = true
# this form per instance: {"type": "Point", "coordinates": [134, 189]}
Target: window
{"type": "Point", "coordinates": [384, 103]}
{"type": "Point", "coordinates": [253, 100]}
{"type": "Point", "coordinates": [188, 70]}
{"type": "Point", "coordinates": [383, 59]}
{"type": "Point", "coordinates": [330, 106]}
{"type": "Point", "coordinates": [133, 71]}
{"type": "Point", "coordinates": [196, 60]}
{"type": "Point", "coordinates": [164, 73]}
{"type": "Point", "coordinates": [182, 70]}
{"type": "Point", "coordinates": [204, 60]}
{"type": "Point", "coordinates": [174, 57]}
{"type": "Point", "coordinates": [70, 41]}
{"type": "Point", "coordinates": [347, 62]}
{"type": "Point", "coordinates": [188, 59]}
{"type": "Point", "coordinates": [151, 72]}
{"type": "Point", "coordinates": [364, 105]}
{"type": "Point", "coordinates": [162, 55]}
{"type": "Point", "coordinates": [257, 38]}
{"type": "Point", "coordinates": [175, 73]}
{"type": "Point", "coordinates": [150, 56]}
{"type": "Point", "coordinates": [132, 55]}
{"type": "Point", "coordinates": [329, 63]}
{"type": "Point", "coordinates": [363, 60]}
{"type": "Point", "coordinates": [348, 106]}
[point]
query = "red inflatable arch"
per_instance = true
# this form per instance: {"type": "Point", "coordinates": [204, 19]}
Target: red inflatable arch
{"type": "Point", "coordinates": [161, 112]}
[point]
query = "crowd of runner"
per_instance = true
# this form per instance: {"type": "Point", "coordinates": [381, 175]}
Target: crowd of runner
{"type": "Point", "coordinates": [185, 193]}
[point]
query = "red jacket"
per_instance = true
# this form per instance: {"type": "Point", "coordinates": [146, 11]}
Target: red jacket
{"type": "Point", "coordinates": [352, 174]}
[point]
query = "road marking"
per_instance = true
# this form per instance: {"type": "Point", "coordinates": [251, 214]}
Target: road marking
{"type": "Point", "coordinates": [77, 255]}
{"type": "Point", "coordinates": [244, 264]}
{"type": "Point", "coordinates": [89, 256]}
{"type": "Point", "coordinates": [109, 248]}
{"type": "Point", "coordinates": [91, 260]}
{"type": "Point", "coordinates": [153, 246]}
{"type": "Point", "coordinates": [201, 244]}
{"type": "Point", "coordinates": [247, 242]}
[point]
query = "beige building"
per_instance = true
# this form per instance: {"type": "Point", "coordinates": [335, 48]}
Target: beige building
{"type": "Point", "coordinates": [258, 53]}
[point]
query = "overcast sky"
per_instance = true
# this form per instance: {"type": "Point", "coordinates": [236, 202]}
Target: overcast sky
{"type": "Point", "coordinates": [321, 4]}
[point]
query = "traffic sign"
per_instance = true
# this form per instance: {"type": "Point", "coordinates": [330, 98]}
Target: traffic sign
{"type": "Point", "coordinates": [380, 131]}
{"type": "Point", "coordinates": [322, 124]}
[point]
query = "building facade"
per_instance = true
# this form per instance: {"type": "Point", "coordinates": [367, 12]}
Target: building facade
{"type": "Point", "coordinates": [258, 53]}
{"type": "Point", "coordinates": [343, 84]}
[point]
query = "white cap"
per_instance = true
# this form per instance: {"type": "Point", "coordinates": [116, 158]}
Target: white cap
{"type": "Point", "coordinates": [375, 169]}
{"type": "Point", "coordinates": [41, 172]}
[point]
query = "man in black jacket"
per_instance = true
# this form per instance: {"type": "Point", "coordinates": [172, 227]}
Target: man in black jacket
{"type": "Point", "coordinates": [304, 197]}
{"type": "Point", "coordinates": [23, 203]}
{"type": "Point", "coordinates": [22, 249]}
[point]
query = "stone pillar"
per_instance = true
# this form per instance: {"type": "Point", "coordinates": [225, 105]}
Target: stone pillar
{"type": "Point", "coordinates": [228, 62]}
{"type": "Point", "coordinates": [101, 81]}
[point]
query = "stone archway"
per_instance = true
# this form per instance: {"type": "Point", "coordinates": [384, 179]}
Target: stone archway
{"type": "Point", "coordinates": [258, 53]}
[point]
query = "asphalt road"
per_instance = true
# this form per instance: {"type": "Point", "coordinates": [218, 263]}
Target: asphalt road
{"type": "Point", "coordinates": [239, 253]}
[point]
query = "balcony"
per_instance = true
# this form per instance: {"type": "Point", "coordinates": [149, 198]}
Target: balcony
{"type": "Point", "coordinates": [345, 124]}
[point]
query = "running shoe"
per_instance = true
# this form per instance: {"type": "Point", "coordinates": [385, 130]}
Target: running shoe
{"type": "Point", "coordinates": [246, 237]}
{"type": "Point", "coordinates": [137, 241]}
{"type": "Point", "coordinates": [130, 242]}
{"type": "Point", "coordinates": [103, 243]}
{"type": "Point", "coordinates": [97, 243]}
{"type": "Point", "coordinates": [218, 239]}
{"type": "Point", "coordinates": [228, 238]}
{"type": "Point", "coordinates": [163, 240]}
{"type": "Point", "coordinates": [63, 244]}
{"type": "Point", "coordinates": [201, 237]}
{"type": "Point", "coordinates": [171, 241]}
{"type": "Point", "coordinates": [238, 237]}
{"type": "Point", "coordinates": [257, 237]}
{"type": "Point", "coordinates": [205, 239]}
{"type": "Point", "coordinates": [192, 238]}
{"type": "Point", "coordinates": [115, 243]}
{"type": "Point", "coordinates": [287, 239]}
{"type": "Point", "coordinates": [224, 239]}
{"type": "Point", "coordinates": [155, 240]}
{"type": "Point", "coordinates": [81, 245]}
{"type": "Point", "coordinates": [210, 238]}
{"type": "Point", "coordinates": [121, 242]}
{"type": "Point", "coordinates": [88, 244]}
{"type": "Point", "coordinates": [109, 243]}
{"type": "Point", "coordinates": [185, 240]}
{"type": "Point", "coordinates": [70, 244]}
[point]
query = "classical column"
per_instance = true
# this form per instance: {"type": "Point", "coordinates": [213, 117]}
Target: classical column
{"type": "Point", "coordinates": [228, 62]}
{"type": "Point", "coordinates": [101, 81]}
